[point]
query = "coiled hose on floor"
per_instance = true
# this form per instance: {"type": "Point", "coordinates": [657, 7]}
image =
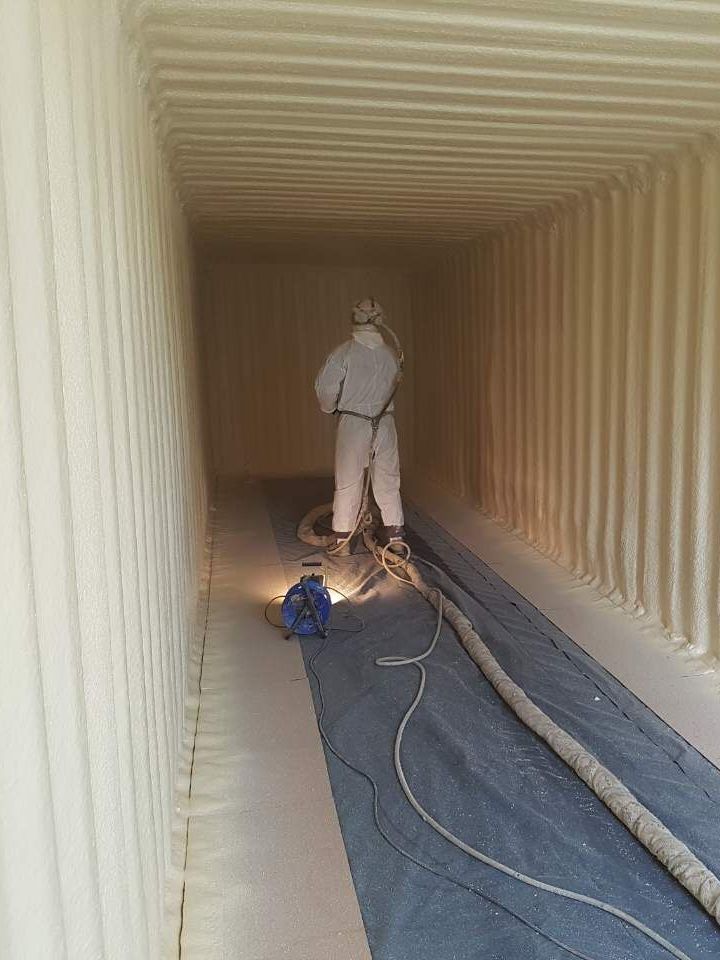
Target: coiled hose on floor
{"type": "Point", "coordinates": [675, 856]}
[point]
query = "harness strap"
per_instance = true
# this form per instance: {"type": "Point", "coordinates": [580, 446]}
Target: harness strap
{"type": "Point", "coordinates": [375, 421]}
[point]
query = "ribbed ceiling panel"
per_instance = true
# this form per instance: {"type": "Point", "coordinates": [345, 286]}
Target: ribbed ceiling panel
{"type": "Point", "coordinates": [416, 123]}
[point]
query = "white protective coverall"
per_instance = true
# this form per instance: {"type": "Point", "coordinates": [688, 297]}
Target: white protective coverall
{"type": "Point", "coordinates": [359, 375]}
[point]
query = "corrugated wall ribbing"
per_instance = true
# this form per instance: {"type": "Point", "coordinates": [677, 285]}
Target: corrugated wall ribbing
{"type": "Point", "coordinates": [268, 330]}
{"type": "Point", "coordinates": [417, 124]}
{"type": "Point", "coordinates": [101, 489]}
{"type": "Point", "coordinates": [578, 358]}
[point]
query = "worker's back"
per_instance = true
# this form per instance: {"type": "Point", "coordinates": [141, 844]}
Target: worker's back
{"type": "Point", "coordinates": [358, 376]}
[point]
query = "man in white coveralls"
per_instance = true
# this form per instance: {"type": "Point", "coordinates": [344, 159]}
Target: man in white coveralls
{"type": "Point", "coordinates": [357, 383]}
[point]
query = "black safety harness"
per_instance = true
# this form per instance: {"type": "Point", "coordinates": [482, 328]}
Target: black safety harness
{"type": "Point", "coordinates": [375, 421]}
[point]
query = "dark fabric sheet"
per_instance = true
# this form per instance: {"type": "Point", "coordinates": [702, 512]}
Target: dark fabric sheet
{"type": "Point", "coordinates": [487, 778]}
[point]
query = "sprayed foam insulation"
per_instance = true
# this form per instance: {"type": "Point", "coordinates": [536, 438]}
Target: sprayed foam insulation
{"type": "Point", "coordinates": [415, 125]}
{"type": "Point", "coordinates": [552, 169]}
{"type": "Point", "coordinates": [580, 354]}
{"type": "Point", "coordinates": [102, 491]}
{"type": "Point", "coordinates": [560, 157]}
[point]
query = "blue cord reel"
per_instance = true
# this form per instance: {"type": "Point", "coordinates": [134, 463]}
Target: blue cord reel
{"type": "Point", "coordinates": [306, 607]}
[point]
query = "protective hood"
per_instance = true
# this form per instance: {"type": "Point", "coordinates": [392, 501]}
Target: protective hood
{"type": "Point", "coordinates": [367, 312]}
{"type": "Point", "coordinates": [368, 337]}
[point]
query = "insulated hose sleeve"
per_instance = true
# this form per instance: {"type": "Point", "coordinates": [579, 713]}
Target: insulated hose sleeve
{"type": "Point", "coordinates": [306, 529]}
{"type": "Point", "coordinates": [679, 860]}
{"type": "Point", "coordinates": [435, 597]}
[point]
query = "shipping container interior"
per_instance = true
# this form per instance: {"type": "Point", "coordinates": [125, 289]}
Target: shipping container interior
{"type": "Point", "coordinates": [194, 193]}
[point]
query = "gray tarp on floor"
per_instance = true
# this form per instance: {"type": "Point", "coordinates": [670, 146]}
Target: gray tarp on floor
{"type": "Point", "coordinates": [489, 780]}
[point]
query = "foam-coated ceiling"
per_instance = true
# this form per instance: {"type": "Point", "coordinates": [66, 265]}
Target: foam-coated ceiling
{"type": "Point", "coordinates": [415, 123]}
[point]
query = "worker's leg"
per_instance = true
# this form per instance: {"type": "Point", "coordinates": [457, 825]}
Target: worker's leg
{"type": "Point", "coordinates": [385, 474]}
{"type": "Point", "coordinates": [352, 450]}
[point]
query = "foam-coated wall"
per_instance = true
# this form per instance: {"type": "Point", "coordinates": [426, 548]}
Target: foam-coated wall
{"type": "Point", "coordinates": [578, 357]}
{"type": "Point", "coordinates": [102, 495]}
{"type": "Point", "coordinates": [267, 330]}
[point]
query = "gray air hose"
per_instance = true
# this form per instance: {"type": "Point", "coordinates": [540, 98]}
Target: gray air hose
{"type": "Point", "coordinates": [679, 860]}
{"type": "Point", "coordinates": [675, 856]}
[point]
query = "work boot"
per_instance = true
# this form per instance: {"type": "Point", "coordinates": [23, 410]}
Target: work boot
{"type": "Point", "coordinates": [340, 545]}
{"type": "Point", "coordinates": [392, 537]}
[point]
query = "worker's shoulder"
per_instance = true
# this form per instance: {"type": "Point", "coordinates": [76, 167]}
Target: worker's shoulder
{"type": "Point", "coordinates": [341, 350]}
{"type": "Point", "coordinates": [388, 354]}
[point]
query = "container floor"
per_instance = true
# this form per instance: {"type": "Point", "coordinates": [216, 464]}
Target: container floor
{"type": "Point", "coordinates": [267, 875]}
